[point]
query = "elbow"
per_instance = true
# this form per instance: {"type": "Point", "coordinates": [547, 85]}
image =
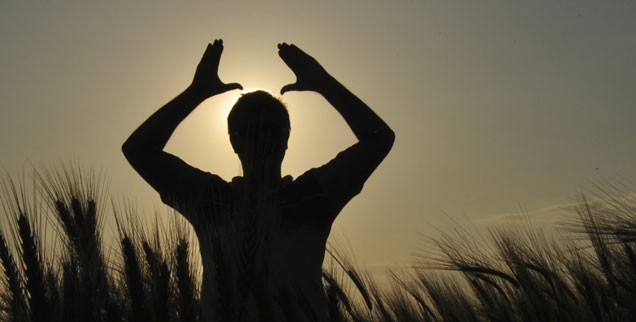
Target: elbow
{"type": "Point", "coordinates": [126, 149]}
{"type": "Point", "coordinates": [382, 141]}
{"type": "Point", "coordinates": [130, 151]}
{"type": "Point", "coordinates": [391, 137]}
{"type": "Point", "coordinates": [387, 139]}
{"type": "Point", "coordinates": [132, 154]}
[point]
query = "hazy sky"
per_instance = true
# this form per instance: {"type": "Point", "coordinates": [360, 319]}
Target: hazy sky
{"type": "Point", "coordinates": [497, 106]}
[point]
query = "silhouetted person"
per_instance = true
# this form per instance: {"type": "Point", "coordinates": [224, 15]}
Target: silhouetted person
{"type": "Point", "coordinates": [271, 229]}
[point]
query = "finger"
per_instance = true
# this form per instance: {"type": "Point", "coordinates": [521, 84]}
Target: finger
{"type": "Point", "coordinates": [297, 50]}
{"type": "Point", "coordinates": [291, 61]}
{"type": "Point", "coordinates": [212, 52]}
{"type": "Point", "coordinates": [215, 58]}
{"type": "Point", "coordinates": [215, 48]}
{"type": "Point", "coordinates": [285, 55]}
{"type": "Point", "coordinates": [233, 86]}
{"type": "Point", "coordinates": [208, 50]}
{"type": "Point", "coordinates": [283, 47]}
{"type": "Point", "coordinates": [289, 87]}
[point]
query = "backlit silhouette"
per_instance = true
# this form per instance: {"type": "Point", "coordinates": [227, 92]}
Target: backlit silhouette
{"type": "Point", "coordinates": [263, 235]}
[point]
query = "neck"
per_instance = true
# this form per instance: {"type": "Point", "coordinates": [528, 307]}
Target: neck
{"type": "Point", "coordinates": [268, 177]}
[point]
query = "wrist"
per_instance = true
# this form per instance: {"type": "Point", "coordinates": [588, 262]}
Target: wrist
{"type": "Point", "coordinates": [327, 85]}
{"type": "Point", "coordinates": [195, 92]}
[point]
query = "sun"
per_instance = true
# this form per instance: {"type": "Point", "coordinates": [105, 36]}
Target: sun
{"type": "Point", "coordinates": [222, 104]}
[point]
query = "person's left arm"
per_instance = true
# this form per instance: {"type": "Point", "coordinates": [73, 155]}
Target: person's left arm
{"type": "Point", "coordinates": [344, 176]}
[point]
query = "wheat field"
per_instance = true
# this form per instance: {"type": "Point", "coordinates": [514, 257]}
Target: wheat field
{"type": "Point", "coordinates": [58, 266]}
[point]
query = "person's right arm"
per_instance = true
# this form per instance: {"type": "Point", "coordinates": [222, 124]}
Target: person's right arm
{"type": "Point", "coordinates": [144, 148]}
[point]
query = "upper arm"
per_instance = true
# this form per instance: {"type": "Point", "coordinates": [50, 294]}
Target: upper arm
{"type": "Point", "coordinates": [343, 177]}
{"type": "Point", "coordinates": [174, 180]}
{"type": "Point", "coordinates": [164, 171]}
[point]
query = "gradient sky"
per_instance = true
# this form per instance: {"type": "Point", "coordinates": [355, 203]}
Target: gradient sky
{"type": "Point", "coordinates": [498, 106]}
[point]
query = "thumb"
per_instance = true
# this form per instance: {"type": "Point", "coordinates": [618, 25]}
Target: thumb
{"type": "Point", "coordinates": [289, 87]}
{"type": "Point", "coordinates": [233, 86]}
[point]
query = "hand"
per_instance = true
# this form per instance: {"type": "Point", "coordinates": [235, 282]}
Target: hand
{"type": "Point", "coordinates": [206, 79]}
{"type": "Point", "coordinates": [310, 76]}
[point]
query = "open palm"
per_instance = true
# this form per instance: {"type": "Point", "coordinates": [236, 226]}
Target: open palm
{"type": "Point", "coordinates": [206, 78]}
{"type": "Point", "coordinates": [309, 74]}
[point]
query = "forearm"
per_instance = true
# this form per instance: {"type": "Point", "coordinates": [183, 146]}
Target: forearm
{"type": "Point", "coordinates": [365, 124]}
{"type": "Point", "coordinates": [154, 133]}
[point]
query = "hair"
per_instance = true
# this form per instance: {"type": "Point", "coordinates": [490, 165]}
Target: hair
{"type": "Point", "coordinates": [249, 113]}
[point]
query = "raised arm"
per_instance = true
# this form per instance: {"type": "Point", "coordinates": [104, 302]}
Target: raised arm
{"type": "Point", "coordinates": [344, 176]}
{"type": "Point", "coordinates": [144, 147]}
{"type": "Point", "coordinates": [310, 76]}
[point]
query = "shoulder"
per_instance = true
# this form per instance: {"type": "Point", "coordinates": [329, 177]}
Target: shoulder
{"type": "Point", "coordinates": [303, 187]}
{"type": "Point", "coordinates": [307, 182]}
{"type": "Point", "coordinates": [200, 186]}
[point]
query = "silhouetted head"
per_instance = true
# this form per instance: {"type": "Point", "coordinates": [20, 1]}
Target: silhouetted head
{"type": "Point", "coordinates": [259, 127]}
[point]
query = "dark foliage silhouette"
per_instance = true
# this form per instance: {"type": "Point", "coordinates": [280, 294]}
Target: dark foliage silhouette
{"type": "Point", "coordinates": [153, 274]}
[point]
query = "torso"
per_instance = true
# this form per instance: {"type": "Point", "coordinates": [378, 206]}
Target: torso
{"type": "Point", "coordinates": [298, 248]}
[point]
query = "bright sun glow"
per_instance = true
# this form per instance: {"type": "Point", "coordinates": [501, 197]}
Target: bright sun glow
{"type": "Point", "coordinates": [224, 104]}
